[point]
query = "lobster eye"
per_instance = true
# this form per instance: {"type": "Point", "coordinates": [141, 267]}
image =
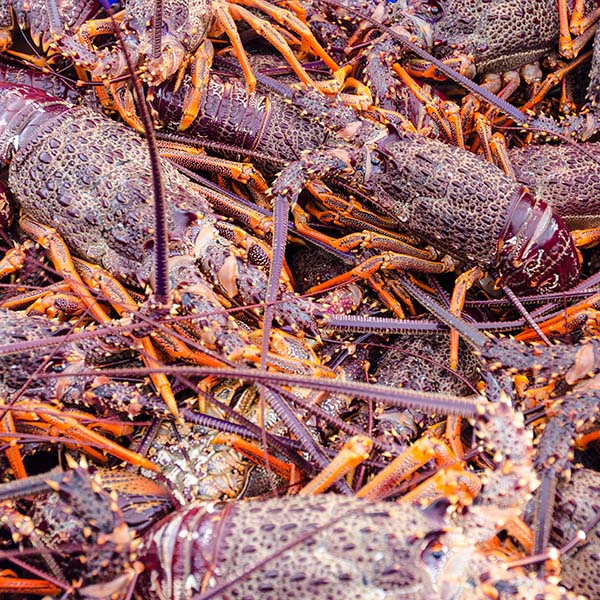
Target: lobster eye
{"type": "Point", "coordinates": [56, 367]}
{"type": "Point", "coordinates": [431, 11]}
{"type": "Point", "coordinates": [433, 554]}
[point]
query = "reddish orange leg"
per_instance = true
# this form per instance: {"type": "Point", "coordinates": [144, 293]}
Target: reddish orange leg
{"type": "Point", "coordinates": [426, 70]}
{"type": "Point", "coordinates": [572, 318]}
{"type": "Point", "coordinates": [348, 213]}
{"type": "Point", "coordinates": [61, 258]}
{"type": "Point", "coordinates": [201, 63]}
{"type": "Point", "coordinates": [67, 424]}
{"type": "Point", "coordinates": [355, 451]}
{"type": "Point", "coordinates": [291, 22]}
{"type": "Point", "coordinates": [451, 482]}
{"type": "Point", "coordinates": [14, 259]}
{"type": "Point", "coordinates": [403, 466]}
{"type": "Point", "coordinates": [386, 261]}
{"type": "Point", "coordinates": [124, 103]}
{"type": "Point", "coordinates": [464, 282]}
{"type": "Point", "coordinates": [11, 584]}
{"type": "Point", "coordinates": [196, 158]}
{"type": "Point", "coordinates": [553, 79]}
{"type": "Point", "coordinates": [13, 454]}
{"type": "Point", "coordinates": [493, 146]}
{"type": "Point", "coordinates": [586, 238]}
{"type": "Point", "coordinates": [453, 430]}
{"type": "Point", "coordinates": [583, 440]}
{"type": "Point", "coordinates": [582, 27]}
{"type": "Point", "coordinates": [53, 300]}
{"type": "Point", "coordinates": [122, 301]}
{"type": "Point", "coordinates": [254, 453]}
{"type": "Point", "coordinates": [446, 115]}
{"type": "Point", "coordinates": [226, 12]}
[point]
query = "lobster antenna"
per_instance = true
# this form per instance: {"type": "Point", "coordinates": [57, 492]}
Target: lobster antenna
{"type": "Point", "coordinates": [161, 237]}
{"type": "Point", "coordinates": [468, 332]}
{"type": "Point", "coordinates": [157, 29]}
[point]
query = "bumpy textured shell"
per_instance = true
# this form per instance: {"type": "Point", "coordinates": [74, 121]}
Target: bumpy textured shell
{"type": "Point", "coordinates": [230, 115]}
{"type": "Point", "coordinates": [552, 173]}
{"type": "Point", "coordinates": [321, 547]}
{"type": "Point", "coordinates": [578, 504]}
{"type": "Point", "coordinates": [35, 16]}
{"type": "Point", "coordinates": [499, 34]}
{"type": "Point", "coordinates": [470, 209]}
{"type": "Point", "coordinates": [90, 178]}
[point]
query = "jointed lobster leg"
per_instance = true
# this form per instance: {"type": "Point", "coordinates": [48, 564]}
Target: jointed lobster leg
{"type": "Point", "coordinates": [194, 158]}
{"type": "Point", "coordinates": [13, 454]}
{"type": "Point", "coordinates": [355, 451]}
{"type": "Point", "coordinates": [63, 262]}
{"type": "Point", "coordinates": [578, 25]}
{"type": "Point", "coordinates": [46, 417]}
{"type": "Point", "coordinates": [11, 584]}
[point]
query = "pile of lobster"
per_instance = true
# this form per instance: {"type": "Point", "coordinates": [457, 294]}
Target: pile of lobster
{"type": "Point", "coordinates": [299, 299]}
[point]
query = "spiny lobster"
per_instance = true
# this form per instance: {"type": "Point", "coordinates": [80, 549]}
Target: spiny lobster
{"type": "Point", "coordinates": [310, 543]}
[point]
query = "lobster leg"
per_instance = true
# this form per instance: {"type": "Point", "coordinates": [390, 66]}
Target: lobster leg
{"type": "Point", "coordinates": [414, 457]}
{"type": "Point", "coordinates": [292, 22]}
{"type": "Point", "coordinates": [464, 282]}
{"type": "Point", "coordinates": [13, 454]}
{"type": "Point", "coordinates": [68, 424]}
{"type": "Point", "coordinates": [355, 451]}
{"type": "Point", "coordinates": [201, 63]}
{"type": "Point", "coordinates": [61, 258]}
{"type": "Point", "coordinates": [14, 259]}
{"type": "Point", "coordinates": [388, 261]}
{"type": "Point", "coordinates": [254, 453]}
{"type": "Point", "coordinates": [227, 12]}
{"type": "Point", "coordinates": [577, 24]}
{"type": "Point", "coordinates": [444, 114]}
{"type": "Point", "coordinates": [573, 317]}
{"type": "Point", "coordinates": [11, 584]}
{"type": "Point", "coordinates": [194, 158]}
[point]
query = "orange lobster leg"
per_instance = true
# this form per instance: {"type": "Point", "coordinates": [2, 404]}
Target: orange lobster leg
{"type": "Point", "coordinates": [388, 260]}
{"type": "Point", "coordinates": [451, 481]}
{"type": "Point", "coordinates": [464, 282]}
{"type": "Point", "coordinates": [582, 27]}
{"type": "Point", "coordinates": [13, 260]}
{"type": "Point", "coordinates": [254, 453]}
{"type": "Point", "coordinates": [195, 158]}
{"type": "Point", "coordinates": [118, 296]}
{"type": "Point", "coordinates": [11, 584]}
{"type": "Point", "coordinates": [13, 454]}
{"type": "Point", "coordinates": [420, 453]}
{"type": "Point", "coordinates": [571, 318]}
{"type": "Point", "coordinates": [355, 451]}
{"type": "Point", "coordinates": [68, 425]}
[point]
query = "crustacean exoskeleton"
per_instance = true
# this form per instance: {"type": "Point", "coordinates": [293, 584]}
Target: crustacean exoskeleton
{"type": "Point", "coordinates": [317, 536]}
{"type": "Point", "coordinates": [158, 51]}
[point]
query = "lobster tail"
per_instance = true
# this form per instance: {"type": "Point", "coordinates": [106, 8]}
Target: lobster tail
{"type": "Point", "coordinates": [536, 251]}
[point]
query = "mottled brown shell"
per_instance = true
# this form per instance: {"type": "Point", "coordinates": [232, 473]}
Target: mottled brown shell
{"type": "Point", "coordinates": [321, 547]}
{"type": "Point", "coordinates": [578, 503]}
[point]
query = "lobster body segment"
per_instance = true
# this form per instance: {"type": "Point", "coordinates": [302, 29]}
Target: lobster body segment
{"type": "Point", "coordinates": [347, 533]}
{"type": "Point", "coordinates": [89, 178]}
{"type": "Point", "coordinates": [499, 35]}
{"type": "Point", "coordinates": [473, 212]}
